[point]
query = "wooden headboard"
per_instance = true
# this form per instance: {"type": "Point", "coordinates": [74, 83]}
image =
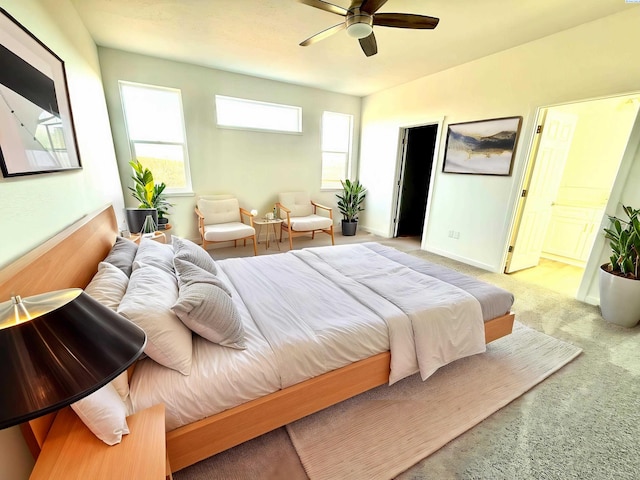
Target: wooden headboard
{"type": "Point", "coordinates": [69, 259]}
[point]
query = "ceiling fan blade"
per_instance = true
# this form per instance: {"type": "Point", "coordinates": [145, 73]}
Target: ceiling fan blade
{"type": "Point", "coordinates": [326, 6]}
{"type": "Point", "coordinates": [372, 6]}
{"type": "Point", "coordinates": [404, 20]}
{"type": "Point", "coordinates": [369, 45]}
{"type": "Point", "coordinates": [323, 34]}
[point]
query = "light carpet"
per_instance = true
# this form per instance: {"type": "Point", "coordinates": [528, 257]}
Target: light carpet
{"type": "Point", "coordinates": [383, 432]}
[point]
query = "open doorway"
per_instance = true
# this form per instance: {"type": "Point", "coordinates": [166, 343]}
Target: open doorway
{"type": "Point", "coordinates": [418, 149]}
{"type": "Point", "coordinates": [572, 168]}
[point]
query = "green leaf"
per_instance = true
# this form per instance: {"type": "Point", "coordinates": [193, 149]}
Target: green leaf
{"type": "Point", "coordinates": [624, 242]}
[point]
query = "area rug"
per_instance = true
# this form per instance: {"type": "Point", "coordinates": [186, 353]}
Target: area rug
{"type": "Point", "coordinates": [381, 433]}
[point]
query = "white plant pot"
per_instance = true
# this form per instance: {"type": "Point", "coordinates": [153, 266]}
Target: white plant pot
{"type": "Point", "coordinates": [619, 299]}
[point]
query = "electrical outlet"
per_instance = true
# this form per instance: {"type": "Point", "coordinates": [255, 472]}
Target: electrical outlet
{"type": "Point", "coordinates": [456, 235]}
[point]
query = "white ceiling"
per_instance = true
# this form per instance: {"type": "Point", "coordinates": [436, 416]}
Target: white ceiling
{"type": "Point", "coordinates": [261, 37]}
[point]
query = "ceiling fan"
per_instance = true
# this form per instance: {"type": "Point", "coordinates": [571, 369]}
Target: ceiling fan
{"type": "Point", "coordinates": [360, 19]}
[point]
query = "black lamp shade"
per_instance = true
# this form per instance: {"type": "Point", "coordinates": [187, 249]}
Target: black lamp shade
{"type": "Point", "coordinates": [62, 355]}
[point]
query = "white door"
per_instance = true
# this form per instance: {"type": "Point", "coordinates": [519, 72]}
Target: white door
{"type": "Point", "coordinates": [404, 137]}
{"type": "Point", "coordinates": [544, 181]}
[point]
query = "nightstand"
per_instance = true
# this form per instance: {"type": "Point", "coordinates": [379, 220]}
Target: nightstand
{"type": "Point", "coordinates": [72, 452]}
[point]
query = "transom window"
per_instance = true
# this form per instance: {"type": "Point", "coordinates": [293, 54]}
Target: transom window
{"type": "Point", "coordinates": [155, 127]}
{"type": "Point", "coordinates": [337, 134]}
{"type": "Point", "coordinates": [246, 114]}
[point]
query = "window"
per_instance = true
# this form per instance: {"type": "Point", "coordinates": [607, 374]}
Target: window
{"type": "Point", "coordinates": [337, 133]}
{"type": "Point", "coordinates": [252, 115]}
{"type": "Point", "coordinates": [155, 126]}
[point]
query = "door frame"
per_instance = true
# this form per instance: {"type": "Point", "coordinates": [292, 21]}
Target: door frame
{"type": "Point", "coordinates": [598, 256]}
{"type": "Point", "coordinates": [598, 248]}
{"type": "Point", "coordinates": [399, 174]}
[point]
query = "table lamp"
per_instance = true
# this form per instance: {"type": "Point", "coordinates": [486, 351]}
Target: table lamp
{"type": "Point", "coordinates": [59, 347]}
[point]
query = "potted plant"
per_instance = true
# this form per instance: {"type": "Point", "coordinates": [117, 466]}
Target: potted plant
{"type": "Point", "coordinates": [350, 204]}
{"type": "Point", "coordinates": [151, 196]}
{"type": "Point", "coordinates": [619, 280]}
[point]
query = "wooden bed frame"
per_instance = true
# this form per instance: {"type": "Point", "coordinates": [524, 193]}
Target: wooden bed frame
{"type": "Point", "coordinates": [70, 259]}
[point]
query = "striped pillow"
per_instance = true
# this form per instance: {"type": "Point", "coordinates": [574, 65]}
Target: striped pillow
{"type": "Point", "coordinates": [210, 312]}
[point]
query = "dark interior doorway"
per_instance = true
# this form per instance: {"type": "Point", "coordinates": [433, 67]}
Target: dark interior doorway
{"type": "Point", "coordinates": [419, 148]}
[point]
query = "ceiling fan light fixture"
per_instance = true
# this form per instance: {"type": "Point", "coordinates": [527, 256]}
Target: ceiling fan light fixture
{"type": "Point", "coordinates": [359, 30]}
{"type": "Point", "coordinates": [359, 25]}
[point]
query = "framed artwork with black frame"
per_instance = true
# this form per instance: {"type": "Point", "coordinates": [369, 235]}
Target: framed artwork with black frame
{"type": "Point", "coordinates": [482, 147]}
{"type": "Point", "coordinates": [36, 126]}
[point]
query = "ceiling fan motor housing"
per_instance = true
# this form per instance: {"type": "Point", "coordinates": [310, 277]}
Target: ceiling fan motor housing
{"type": "Point", "coordinates": [359, 24]}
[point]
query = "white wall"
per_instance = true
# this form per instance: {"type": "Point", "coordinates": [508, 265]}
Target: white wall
{"type": "Point", "coordinates": [34, 208]}
{"type": "Point", "coordinates": [592, 60]}
{"type": "Point", "coordinates": [254, 166]}
{"type": "Point", "coordinates": [37, 207]}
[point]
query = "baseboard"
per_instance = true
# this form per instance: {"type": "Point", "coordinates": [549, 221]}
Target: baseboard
{"type": "Point", "coordinates": [373, 231]}
{"type": "Point", "coordinates": [459, 258]}
{"type": "Point", "coordinates": [592, 300]}
{"type": "Point", "coordinates": [561, 259]}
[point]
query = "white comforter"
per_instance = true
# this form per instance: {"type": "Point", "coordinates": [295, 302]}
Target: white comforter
{"type": "Point", "coordinates": [323, 308]}
{"type": "Point", "coordinates": [309, 312]}
{"type": "Point", "coordinates": [430, 323]}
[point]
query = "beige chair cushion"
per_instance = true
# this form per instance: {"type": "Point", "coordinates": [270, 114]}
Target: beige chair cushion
{"type": "Point", "coordinates": [310, 222]}
{"type": "Point", "coordinates": [298, 202]}
{"type": "Point", "coordinates": [219, 211]}
{"type": "Point", "coordinates": [227, 231]}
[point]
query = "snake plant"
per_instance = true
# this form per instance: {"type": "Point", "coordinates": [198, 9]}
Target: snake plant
{"type": "Point", "coordinates": [624, 236]}
{"type": "Point", "coordinates": [350, 202]}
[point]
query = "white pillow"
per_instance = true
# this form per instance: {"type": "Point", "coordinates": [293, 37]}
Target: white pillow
{"type": "Point", "coordinates": [108, 285]}
{"type": "Point", "coordinates": [147, 303]}
{"type": "Point", "coordinates": [154, 253]}
{"type": "Point", "coordinates": [104, 413]}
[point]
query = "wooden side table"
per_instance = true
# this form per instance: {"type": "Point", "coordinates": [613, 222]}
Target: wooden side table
{"type": "Point", "coordinates": [157, 237]}
{"type": "Point", "coordinates": [265, 221]}
{"type": "Point", "coordinates": [167, 233]}
{"type": "Point", "coordinates": [72, 452]}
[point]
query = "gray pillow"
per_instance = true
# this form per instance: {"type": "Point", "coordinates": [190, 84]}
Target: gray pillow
{"type": "Point", "coordinates": [188, 273]}
{"type": "Point", "coordinates": [189, 251]}
{"type": "Point", "coordinates": [208, 311]}
{"type": "Point", "coordinates": [122, 254]}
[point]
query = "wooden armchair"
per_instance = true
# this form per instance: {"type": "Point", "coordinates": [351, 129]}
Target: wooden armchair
{"type": "Point", "coordinates": [220, 219]}
{"type": "Point", "coordinates": [299, 216]}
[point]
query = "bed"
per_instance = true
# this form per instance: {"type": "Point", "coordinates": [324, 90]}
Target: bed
{"type": "Point", "coordinates": [335, 372]}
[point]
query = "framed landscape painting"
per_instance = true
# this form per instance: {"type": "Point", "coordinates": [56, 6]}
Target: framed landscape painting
{"type": "Point", "coordinates": [36, 127]}
{"type": "Point", "coordinates": [483, 147]}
